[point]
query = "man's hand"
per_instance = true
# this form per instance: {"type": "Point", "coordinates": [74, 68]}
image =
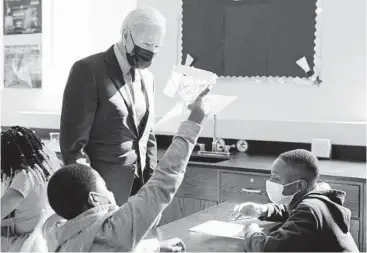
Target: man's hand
{"type": "Point", "coordinates": [199, 109]}
{"type": "Point", "coordinates": [248, 209]}
{"type": "Point", "coordinates": [173, 245]}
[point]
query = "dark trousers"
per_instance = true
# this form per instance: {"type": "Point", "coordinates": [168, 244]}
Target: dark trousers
{"type": "Point", "coordinates": [140, 181]}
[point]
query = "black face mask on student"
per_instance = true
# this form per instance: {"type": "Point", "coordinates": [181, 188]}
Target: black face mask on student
{"type": "Point", "coordinates": [139, 57]}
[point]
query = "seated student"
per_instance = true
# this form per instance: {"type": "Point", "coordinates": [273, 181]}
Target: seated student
{"type": "Point", "coordinates": [313, 216]}
{"type": "Point", "coordinates": [88, 219]}
{"type": "Point", "coordinates": [26, 166]}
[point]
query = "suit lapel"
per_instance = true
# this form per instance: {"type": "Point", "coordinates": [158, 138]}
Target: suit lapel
{"type": "Point", "coordinates": [149, 100]}
{"type": "Point", "coordinates": [114, 71]}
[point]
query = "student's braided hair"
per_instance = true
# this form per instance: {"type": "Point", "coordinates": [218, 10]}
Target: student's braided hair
{"type": "Point", "coordinates": [21, 149]}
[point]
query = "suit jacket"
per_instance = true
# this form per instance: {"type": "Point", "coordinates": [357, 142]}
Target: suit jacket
{"type": "Point", "coordinates": [98, 117]}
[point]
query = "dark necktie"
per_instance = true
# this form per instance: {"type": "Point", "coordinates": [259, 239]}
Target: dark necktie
{"type": "Point", "coordinates": [132, 73]}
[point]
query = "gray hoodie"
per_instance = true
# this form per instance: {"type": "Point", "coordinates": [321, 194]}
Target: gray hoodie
{"type": "Point", "coordinates": [314, 222]}
{"type": "Point", "coordinates": [113, 228]}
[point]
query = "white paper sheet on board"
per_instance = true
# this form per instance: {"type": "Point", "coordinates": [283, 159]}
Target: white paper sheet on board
{"type": "Point", "coordinates": [189, 60]}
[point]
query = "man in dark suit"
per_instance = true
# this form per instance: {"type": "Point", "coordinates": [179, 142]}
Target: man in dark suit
{"type": "Point", "coordinates": [107, 114]}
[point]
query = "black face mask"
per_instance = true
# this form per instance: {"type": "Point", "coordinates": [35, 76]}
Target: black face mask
{"type": "Point", "coordinates": [139, 57]}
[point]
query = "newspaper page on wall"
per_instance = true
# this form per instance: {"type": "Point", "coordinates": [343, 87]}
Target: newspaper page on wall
{"type": "Point", "coordinates": [22, 17]}
{"type": "Point", "coordinates": [23, 66]}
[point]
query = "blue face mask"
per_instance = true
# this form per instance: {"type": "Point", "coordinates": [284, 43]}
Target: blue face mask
{"type": "Point", "coordinates": [139, 57]}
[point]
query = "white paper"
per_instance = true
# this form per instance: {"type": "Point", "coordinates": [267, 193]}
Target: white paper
{"type": "Point", "coordinates": [225, 229]}
{"type": "Point", "coordinates": [189, 60]}
{"type": "Point", "coordinates": [173, 84]}
{"type": "Point", "coordinates": [221, 229]}
{"type": "Point", "coordinates": [218, 102]}
{"type": "Point", "coordinates": [171, 120]}
{"type": "Point", "coordinates": [188, 82]}
{"type": "Point", "coordinates": [303, 64]}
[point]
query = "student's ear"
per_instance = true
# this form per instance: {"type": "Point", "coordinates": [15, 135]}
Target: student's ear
{"type": "Point", "coordinates": [92, 200]}
{"type": "Point", "coordinates": [302, 185]}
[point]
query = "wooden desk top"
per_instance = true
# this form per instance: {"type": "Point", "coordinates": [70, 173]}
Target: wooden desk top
{"type": "Point", "coordinates": [355, 171]}
{"type": "Point", "coordinates": [197, 242]}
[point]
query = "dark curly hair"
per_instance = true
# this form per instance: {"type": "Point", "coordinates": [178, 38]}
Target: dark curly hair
{"type": "Point", "coordinates": [21, 149]}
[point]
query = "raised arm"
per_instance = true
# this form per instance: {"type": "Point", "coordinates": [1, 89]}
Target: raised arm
{"type": "Point", "coordinates": [134, 219]}
{"type": "Point", "coordinates": [78, 110]}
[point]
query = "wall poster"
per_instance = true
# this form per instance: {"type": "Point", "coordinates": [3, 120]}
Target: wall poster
{"type": "Point", "coordinates": [23, 66]}
{"type": "Point", "coordinates": [22, 17]}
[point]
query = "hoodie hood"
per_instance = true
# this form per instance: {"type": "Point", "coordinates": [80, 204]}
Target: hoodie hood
{"type": "Point", "coordinates": [334, 200]}
{"type": "Point", "coordinates": [78, 234]}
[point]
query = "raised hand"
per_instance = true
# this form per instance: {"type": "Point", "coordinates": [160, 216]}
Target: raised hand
{"type": "Point", "coordinates": [199, 108]}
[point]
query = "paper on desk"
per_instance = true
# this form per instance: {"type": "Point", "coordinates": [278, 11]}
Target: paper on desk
{"type": "Point", "coordinates": [171, 120]}
{"type": "Point", "coordinates": [220, 228]}
{"type": "Point", "coordinates": [223, 229]}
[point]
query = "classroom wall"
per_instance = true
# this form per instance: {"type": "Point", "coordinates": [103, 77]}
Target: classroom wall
{"type": "Point", "coordinates": [336, 110]}
{"type": "Point", "coordinates": [72, 30]}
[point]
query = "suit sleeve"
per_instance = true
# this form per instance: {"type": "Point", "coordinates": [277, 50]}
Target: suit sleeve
{"type": "Point", "coordinates": [78, 110]}
{"type": "Point", "coordinates": [301, 224]}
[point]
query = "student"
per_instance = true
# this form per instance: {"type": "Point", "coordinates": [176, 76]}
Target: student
{"type": "Point", "coordinates": [88, 219]}
{"type": "Point", "coordinates": [313, 216]}
{"type": "Point", "coordinates": [26, 166]}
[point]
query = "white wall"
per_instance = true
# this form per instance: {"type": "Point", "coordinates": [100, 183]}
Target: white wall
{"type": "Point", "coordinates": [73, 29]}
{"type": "Point", "coordinates": [336, 110]}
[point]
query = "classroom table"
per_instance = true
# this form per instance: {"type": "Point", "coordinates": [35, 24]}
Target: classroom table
{"type": "Point", "coordinates": [198, 242]}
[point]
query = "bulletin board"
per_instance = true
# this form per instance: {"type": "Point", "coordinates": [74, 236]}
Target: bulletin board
{"type": "Point", "coordinates": [251, 38]}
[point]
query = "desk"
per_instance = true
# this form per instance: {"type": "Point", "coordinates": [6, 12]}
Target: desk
{"type": "Point", "coordinates": [197, 242]}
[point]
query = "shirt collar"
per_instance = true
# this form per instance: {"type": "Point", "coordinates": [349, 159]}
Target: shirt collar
{"type": "Point", "coordinates": [124, 65]}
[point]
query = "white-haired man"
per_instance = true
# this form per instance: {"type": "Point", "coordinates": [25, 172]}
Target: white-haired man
{"type": "Point", "coordinates": [107, 114]}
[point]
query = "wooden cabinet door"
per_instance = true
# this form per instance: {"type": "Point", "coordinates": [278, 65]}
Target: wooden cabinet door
{"type": "Point", "coordinates": [240, 187]}
{"type": "Point", "coordinates": [182, 207]}
{"type": "Point", "coordinates": [354, 230]}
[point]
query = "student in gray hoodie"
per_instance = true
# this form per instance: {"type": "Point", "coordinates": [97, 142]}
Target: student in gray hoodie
{"type": "Point", "coordinates": [312, 215]}
{"type": "Point", "coordinates": [87, 218]}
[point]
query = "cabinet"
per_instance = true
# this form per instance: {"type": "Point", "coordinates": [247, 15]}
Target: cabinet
{"type": "Point", "coordinates": [198, 191]}
{"type": "Point", "coordinates": [241, 187]}
{"type": "Point", "coordinates": [182, 207]}
{"type": "Point", "coordinates": [207, 185]}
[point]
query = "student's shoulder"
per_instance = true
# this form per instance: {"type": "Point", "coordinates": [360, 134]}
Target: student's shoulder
{"type": "Point", "coordinates": [312, 206]}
